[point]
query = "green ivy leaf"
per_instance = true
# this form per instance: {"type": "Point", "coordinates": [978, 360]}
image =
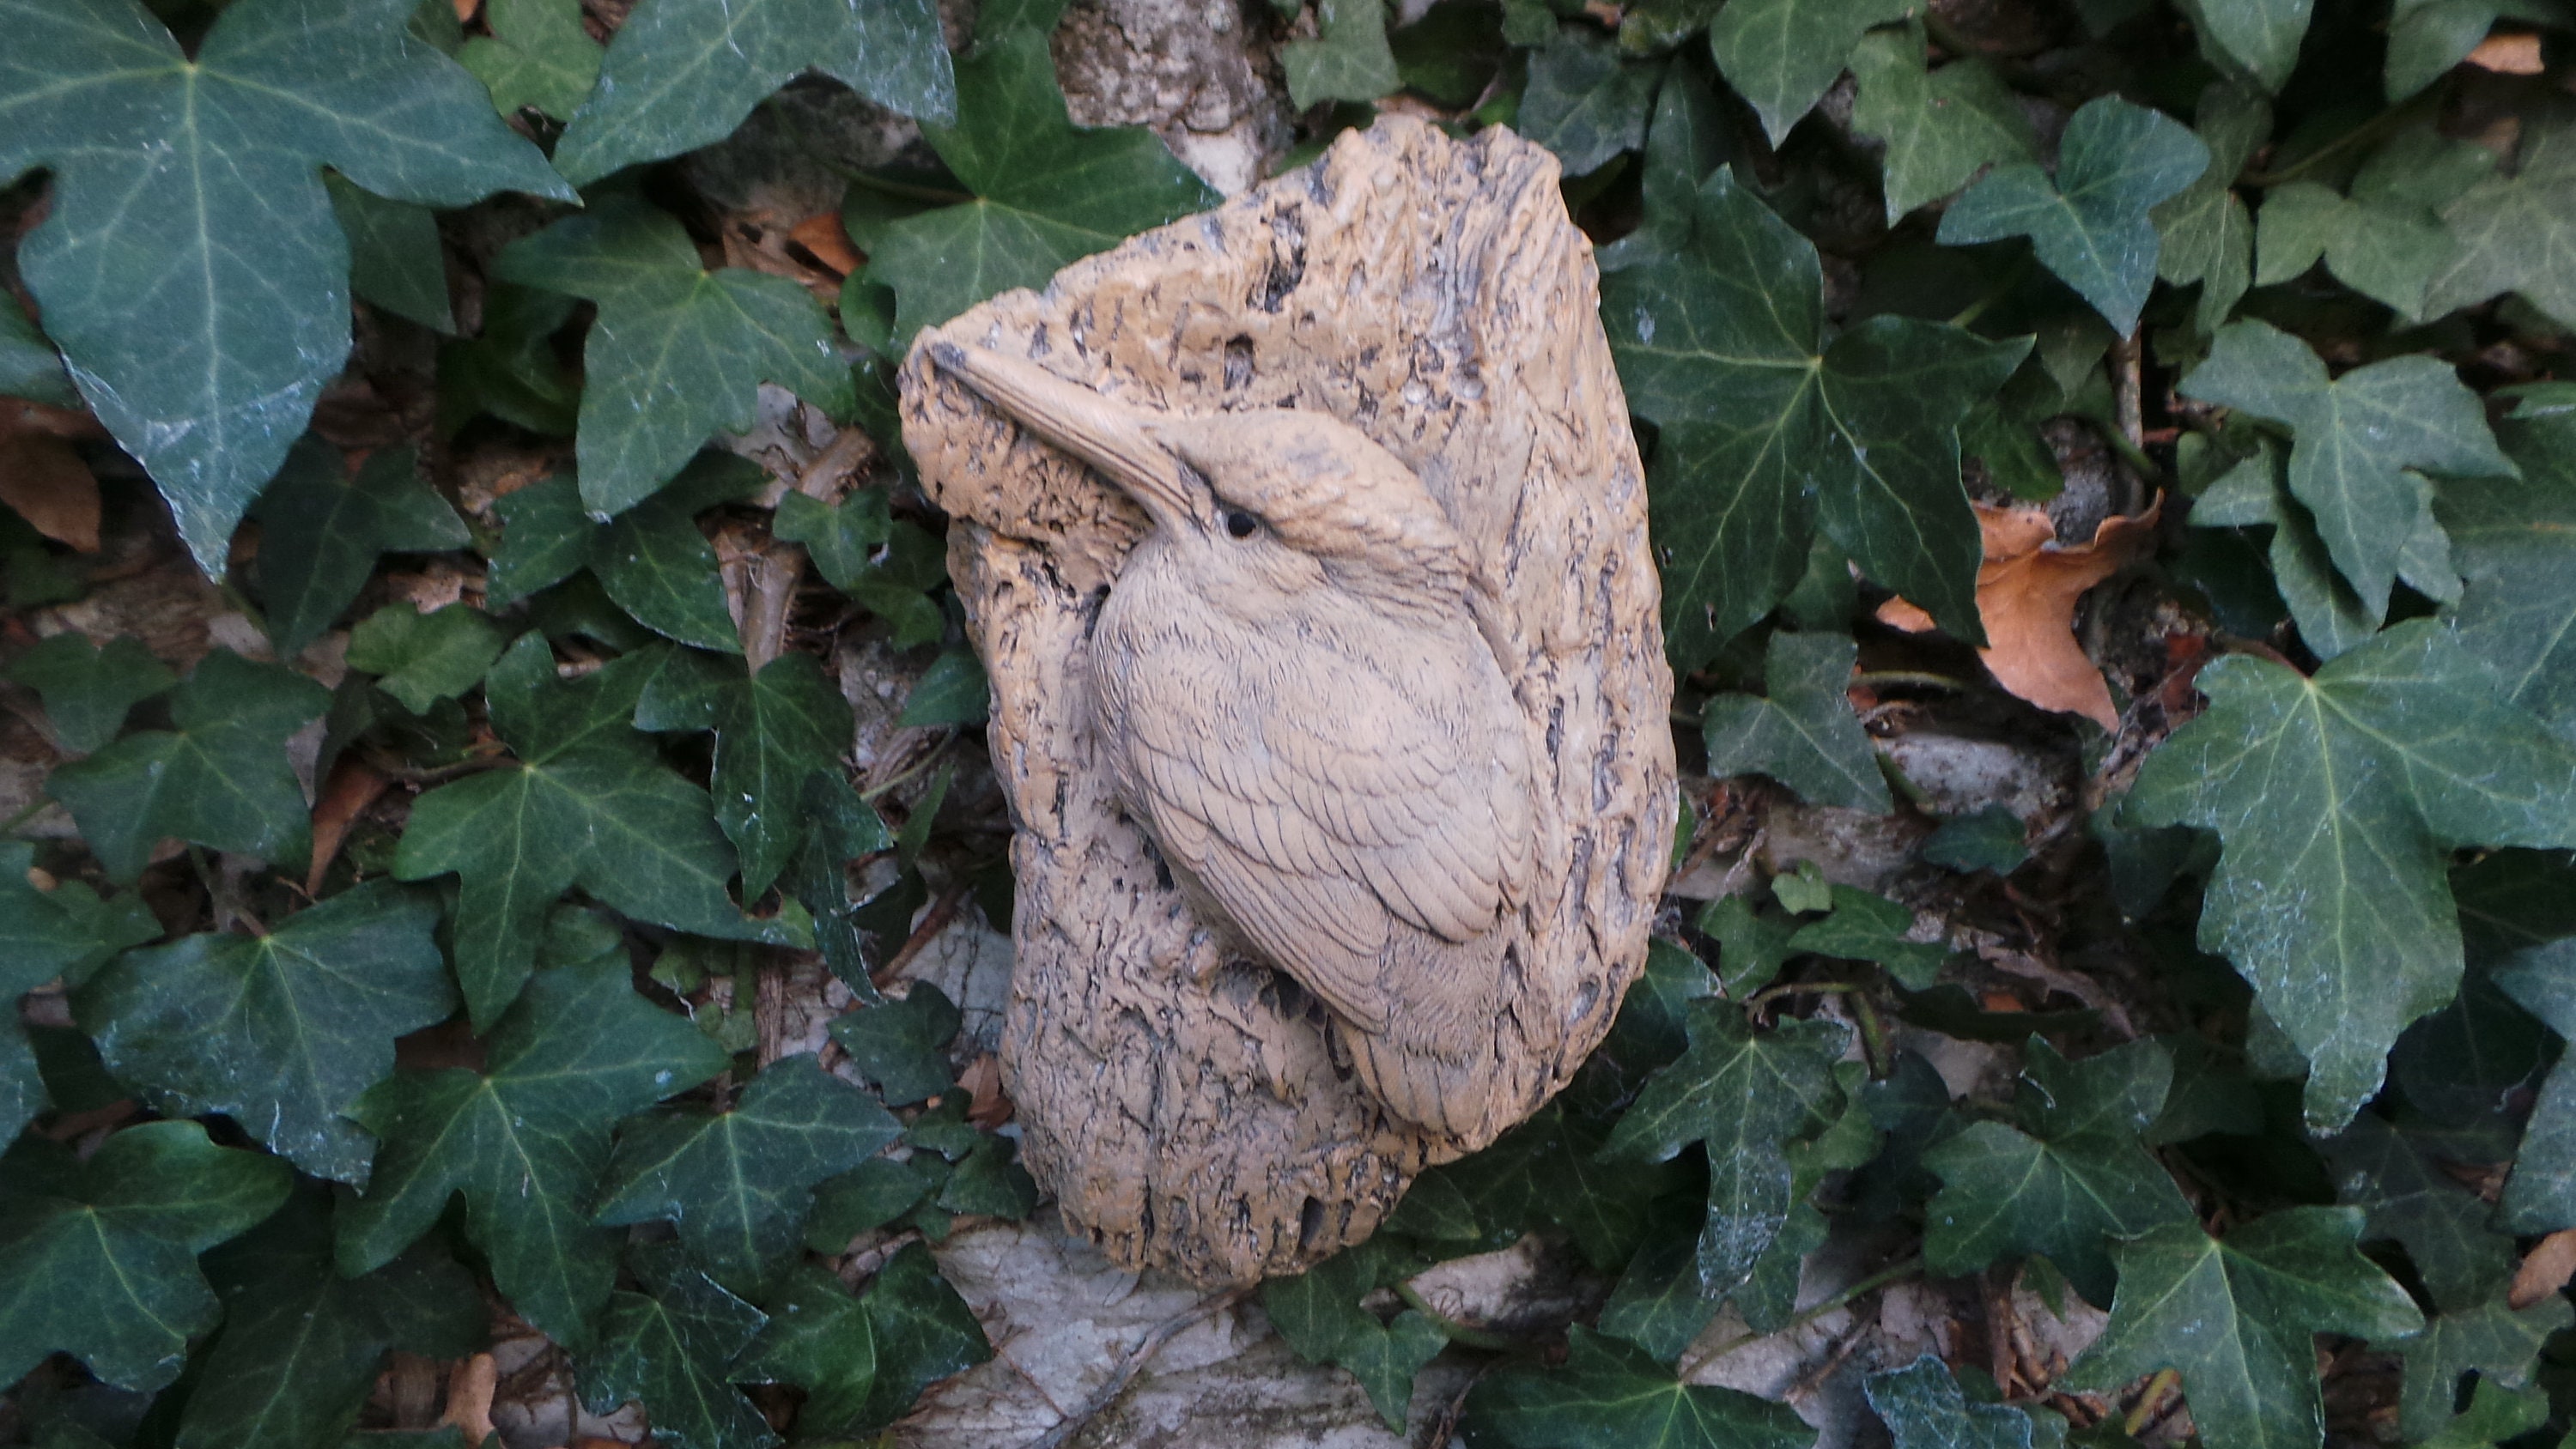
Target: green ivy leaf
{"type": "Point", "coordinates": [1751, 946]}
{"type": "Point", "coordinates": [1319, 1313]}
{"type": "Point", "coordinates": [394, 257]}
{"type": "Point", "coordinates": [884, 564]}
{"type": "Point", "coordinates": [1350, 61]}
{"type": "Point", "coordinates": [1585, 101]}
{"type": "Point", "coordinates": [2336, 800]}
{"type": "Point", "coordinates": [1783, 55]}
{"type": "Point", "coordinates": [2517, 233]}
{"type": "Point", "coordinates": [279, 1032]}
{"type": "Point", "coordinates": [2494, 1340]}
{"type": "Point", "coordinates": [2331, 617]}
{"type": "Point", "coordinates": [29, 366]}
{"type": "Point", "coordinates": [1687, 140]}
{"type": "Point", "coordinates": [2090, 224]}
{"type": "Point", "coordinates": [537, 57]}
{"type": "Point", "coordinates": [1869, 927]}
{"type": "Point", "coordinates": [820, 1338]}
{"type": "Point", "coordinates": [511, 370]}
{"type": "Point", "coordinates": [1657, 1304]}
{"type": "Point", "coordinates": [2385, 239]}
{"type": "Point", "coordinates": [2236, 1319]}
{"type": "Point", "coordinates": [1612, 1395]}
{"type": "Point", "coordinates": [191, 269]}
{"type": "Point", "coordinates": [952, 691]}
{"type": "Point", "coordinates": [1804, 735]}
{"type": "Point", "coordinates": [2259, 37]}
{"type": "Point", "coordinates": [668, 1348]}
{"type": "Point", "coordinates": [98, 1257]}
{"type": "Point", "coordinates": [525, 1140]}
{"type": "Point", "coordinates": [420, 658]}
{"type": "Point", "coordinates": [1924, 1409]}
{"type": "Point", "coordinates": [2540, 1197]}
{"type": "Point", "coordinates": [2204, 232]}
{"type": "Point", "coordinates": [321, 532]}
{"type": "Point", "coordinates": [2443, 1225]}
{"type": "Point", "coordinates": [677, 353]}
{"type": "Point", "coordinates": [221, 779]}
{"type": "Point", "coordinates": [777, 730]}
{"type": "Point", "coordinates": [1765, 433]}
{"type": "Point", "coordinates": [586, 802]}
{"type": "Point", "coordinates": [680, 75]}
{"type": "Point", "coordinates": [62, 934]}
{"type": "Point", "coordinates": [739, 1183]}
{"type": "Point", "coordinates": [2428, 37]}
{"type": "Point", "coordinates": [902, 1045]}
{"type": "Point", "coordinates": [2515, 541]}
{"type": "Point", "coordinates": [1941, 127]}
{"type": "Point", "coordinates": [1990, 838]}
{"type": "Point", "coordinates": [1046, 191]}
{"type": "Point", "coordinates": [2067, 1183]}
{"type": "Point", "coordinates": [659, 568]}
{"type": "Point", "coordinates": [87, 688]}
{"type": "Point", "coordinates": [1746, 1095]}
{"type": "Point", "coordinates": [924, 1333]}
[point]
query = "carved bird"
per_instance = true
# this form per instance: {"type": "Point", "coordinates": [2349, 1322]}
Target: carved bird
{"type": "Point", "coordinates": [1306, 715]}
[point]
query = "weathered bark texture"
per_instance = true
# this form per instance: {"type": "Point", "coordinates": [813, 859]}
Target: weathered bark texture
{"type": "Point", "coordinates": [1185, 1105]}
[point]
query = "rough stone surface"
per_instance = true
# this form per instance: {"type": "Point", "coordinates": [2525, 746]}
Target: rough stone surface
{"type": "Point", "coordinates": [1187, 1111]}
{"type": "Point", "coordinates": [1197, 71]}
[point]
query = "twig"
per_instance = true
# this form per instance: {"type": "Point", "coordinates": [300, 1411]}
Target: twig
{"type": "Point", "coordinates": [1450, 1328]}
{"type": "Point", "coordinates": [2129, 404]}
{"type": "Point", "coordinates": [776, 573]}
{"type": "Point", "coordinates": [1693, 1363]}
{"type": "Point", "coordinates": [2151, 1400]}
{"type": "Point", "coordinates": [1134, 1364]}
{"type": "Point", "coordinates": [932, 923]}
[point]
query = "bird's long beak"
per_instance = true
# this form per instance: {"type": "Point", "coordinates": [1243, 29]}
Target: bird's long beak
{"type": "Point", "coordinates": [1110, 436]}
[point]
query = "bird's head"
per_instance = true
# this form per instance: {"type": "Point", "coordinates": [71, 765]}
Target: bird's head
{"type": "Point", "coordinates": [1271, 495]}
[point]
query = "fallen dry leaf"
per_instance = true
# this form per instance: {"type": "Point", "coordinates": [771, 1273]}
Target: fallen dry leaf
{"type": "Point", "coordinates": [469, 1396]}
{"type": "Point", "coordinates": [987, 1106]}
{"type": "Point", "coordinates": [2026, 593]}
{"type": "Point", "coordinates": [821, 234]}
{"type": "Point", "coordinates": [353, 786]}
{"type": "Point", "coordinates": [2545, 1269]}
{"type": "Point", "coordinates": [2509, 54]}
{"type": "Point", "coordinates": [47, 484]}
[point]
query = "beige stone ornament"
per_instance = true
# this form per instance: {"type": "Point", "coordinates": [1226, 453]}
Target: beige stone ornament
{"type": "Point", "coordinates": [1305, 544]}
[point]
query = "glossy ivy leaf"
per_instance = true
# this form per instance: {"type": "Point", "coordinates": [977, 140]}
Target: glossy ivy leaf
{"type": "Point", "coordinates": [902, 1046]}
{"type": "Point", "coordinates": [1319, 1313]}
{"type": "Point", "coordinates": [1940, 127]}
{"type": "Point", "coordinates": [1783, 55]}
{"type": "Point", "coordinates": [924, 1333]}
{"type": "Point", "coordinates": [1046, 191]}
{"type": "Point", "coordinates": [394, 258]}
{"type": "Point", "coordinates": [651, 559]}
{"type": "Point", "coordinates": [536, 58]}
{"type": "Point", "coordinates": [739, 1183]}
{"type": "Point", "coordinates": [1348, 61]}
{"type": "Point", "coordinates": [420, 658]}
{"type": "Point", "coordinates": [821, 1338]}
{"type": "Point", "coordinates": [1803, 735]}
{"type": "Point", "coordinates": [952, 691]}
{"type": "Point", "coordinates": [1867, 927]}
{"type": "Point", "coordinates": [2258, 37]}
{"type": "Point", "coordinates": [2494, 1340]}
{"type": "Point", "coordinates": [62, 934]}
{"type": "Point", "coordinates": [191, 269]}
{"type": "Point", "coordinates": [322, 530]}
{"type": "Point", "coordinates": [2442, 1225]}
{"type": "Point", "coordinates": [1609, 1393]}
{"type": "Point", "coordinates": [220, 779]}
{"type": "Point", "coordinates": [1765, 435]}
{"type": "Point", "coordinates": [2256, 492]}
{"type": "Point", "coordinates": [2204, 233]}
{"type": "Point", "coordinates": [1746, 1095]}
{"type": "Point", "coordinates": [279, 1032]}
{"type": "Point", "coordinates": [2540, 1197]}
{"type": "Point", "coordinates": [1657, 1303]}
{"type": "Point", "coordinates": [2090, 223]}
{"type": "Point", "coordinates": [586, 802]}
{"type": "Point", "coordinates": [777, 730]}
{"type": "Point", "coordinates": [680, 75]}
{"type": "Point", "coordinates": [525, 1140]}
{"type": "Point", "coordinates": [2428, 37]}
{"type": "Point", "coordinates": [2517, 233]}
{"type": "Point", "coordinates": [668, 1348]}
{"type": "Point", "coordinates": [2515, 542]}
{"type": "Point", "coordinates": [2069, 1181]}
{"type": "Point", "coordinates": [2385, 239]}
{"type": "Point", "coordinates": [1923, 1408]}
{"type": "Point", "coordinates": [1687, 139]}
{"type": "Point", "coordinates": [301, 1346]}
{"type": "Point", "coordinates": [98, 1257]}
{"type": "Point", "coordinates": [1990, 838]}
{"type": "Point", "coordinates": [1585, 101]}
{"type": "Point", "coordinates": [677, 353]}
{"type": "Point", "coordinates": [87, 688]}
{"type": "Point", "coordinates": [884, 564]}
{"type": "Point", "coordinates": [29, 366]}
{"type": "Point", "coordinates": [2337, 800]}
{"type": "Point", "coordinates": [1752, 945]}
{"type": "Point", "coordinates": [2237, 1319]}
{"type": "Point", "coordinates": [511, 369]}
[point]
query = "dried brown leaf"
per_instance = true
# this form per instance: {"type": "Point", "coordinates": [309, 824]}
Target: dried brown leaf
{"type": "Point", "coordinates": [2545, 1269]}
{"type": "Point", "coordinates": [821, 235]}
{"type": "Point", "coordinates": [353, 786]}
{"type": "Point", "coordinates": [469, 1396]}
{"type": "Point", "coordinates": [2509, 54]}
{"type": "Point", "coordinates": [48, 485]}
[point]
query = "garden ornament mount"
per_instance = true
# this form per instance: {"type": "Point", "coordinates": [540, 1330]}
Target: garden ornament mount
{"type": "Point", "coordinates": [1305, 545]}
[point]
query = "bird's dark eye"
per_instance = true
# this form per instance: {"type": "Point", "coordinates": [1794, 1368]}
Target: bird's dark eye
{"type": "Point", "coordinates": [1241, 524]}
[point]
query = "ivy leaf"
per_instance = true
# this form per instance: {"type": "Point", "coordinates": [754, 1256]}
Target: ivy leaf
{"type": "Point", "coordinates": [651, 559]}
{"type": "Point", "coordinates": [2517, 233]}
{"type": "Point", "coordinates": [677, 353]}
{"type": "Point", "coordinates": [2385, 240]}
{"type": "Point", "coordinates": [1349, 62]}
{"type": "Point", "coordinates": [87, 688]}
{"type": "Point", "coordinates": [2443, 1225]}
{"type": "Point", "coordinates": [29, 366]}
{"type": "Point", "coordinates": [2204, 232]}
{"type": "Point", "coordinates": [1765, 433]}
{"type": "Point", "coordinates": [98, 1257]}
{"type": "Point", "coordinates": [536, 58]}
{"type": "Point", "coordinates": [820, 1338]}
{"type": "Point", "coordinates": [668, 1348]}
{"type": "Point", "coordinates": [1746, 1095]}
{"type": "Point", "coordinates": [1804, 735]}
{"type": "Point", "coordinates": [300, 1346]}
{"type": "Point", "coordinates": [278, 1032]}
{"type": "Point", "coordinates": [1868, 927]}
{"type": "Point", "coordinates": [1657, 1304]}
{"type": "Point", "coordinates": [191, 269]}
{"type": "Point", "coordinates": [1686, 140]}
{"type": "Point", "coordinates": [778, 729]}
{"type": "Point", "coordinates": [65, 933]}
{"type": "Point", "coordinates": [586, 802]}
{"type": "Point", "coordinates": [902, 1045]}
{"type": "Point", "coordinates": [2337, 800]}
{"type": "Point", "coordinates": [2260, 37]}
{"type": "Point", "coordinates": [1783, 55]}
{"type": "Point", "coordinates": [525, 1139]}
{"type": "Point", "coordinates": [2515, 542]}
{"type": "Point", "coordinates": [221, 779]}
{"type": "Point", "coordinates": [2331, 617]}
{"type": "Point", "coordinates": [1585, 101]}
{"type": "Point", "coordinates": [680, 75]}
{"type": "Point", "coordinates": [2428, 37]}
{"type": "Point", "coordinates": [1924, 1409]}
{"type": "Point", "coordinates": [1046, 191]}
{"type": "Point", "coordinates": [2236, 1319]}
{"type": "Point", "coordinates": [1319, 1313]}
{"type": "Point", "coordinates": [1609, 1392]}
{"type": "Point", "coordinates": [924, 1333]}
{"type": "Point", "coordinates": [2496, 1341]}
{"type": "Point", "coordinates": [884, 564]}
{"type": "Point", "coordinates": [2090, 224]}
{"type": "Point", "coordinates": [1941, 127]}
{"type": "Point", "coordinates": [420, 658]}
{"type": "Point", "coordinates": [2069, 1181]}
{"type": "Point", "coordinates": [740, 1183]}
{"type": "Point", "coordinates": [321, 532]}
{"type": "Point", "coordinates": [394, 258]}
{"type": "Point", "coordinates": [2540, 1197]}
{"type": "Point", "coordinates": [952, 691]}
{"type": "Point", "coordinates": [510, 369]}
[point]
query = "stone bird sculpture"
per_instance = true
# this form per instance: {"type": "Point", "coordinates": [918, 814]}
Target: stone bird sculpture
{"type": "Point", "coordinates": [1305, 715]}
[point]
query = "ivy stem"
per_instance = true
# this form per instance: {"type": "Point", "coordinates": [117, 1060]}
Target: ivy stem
{"type": "Point", "coordinates": [1692, 1363]}
{"type": "Point", "coordinates": [1996, 293]}
{"type": "Point", "coordinates": [1452, 1329]}
{"type": "Point", "coordinates": [2151, 1400]}
{"type": "Point", "coordinates": [2428, 99]}
{"type": "Point", "coordinates": [1919, 678]}
{"type": "Point", "coordinates": [1769, 994]}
